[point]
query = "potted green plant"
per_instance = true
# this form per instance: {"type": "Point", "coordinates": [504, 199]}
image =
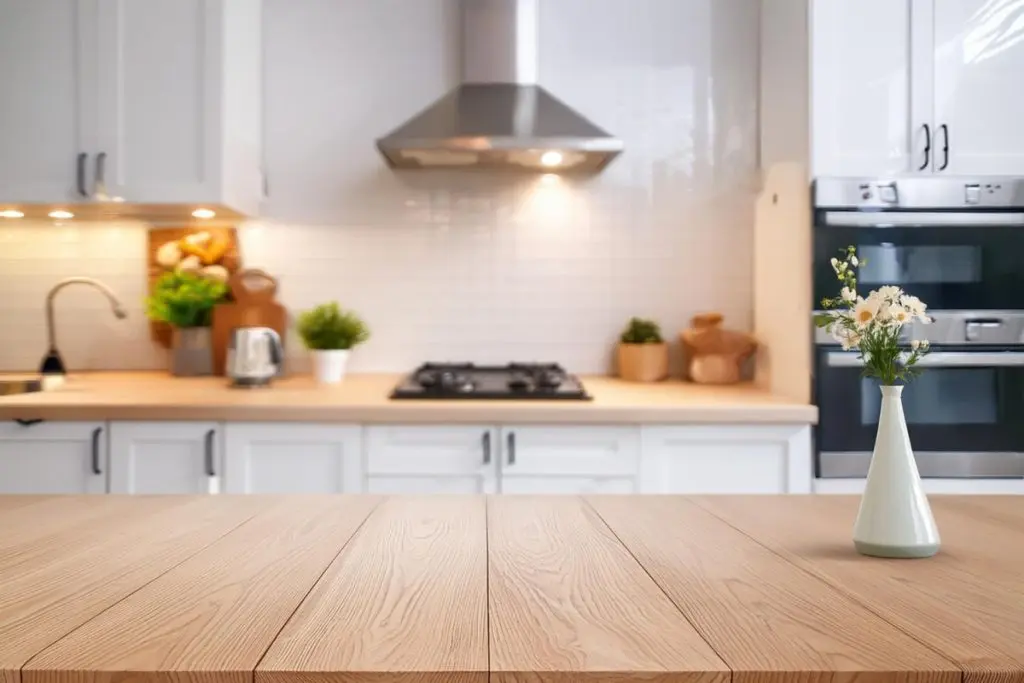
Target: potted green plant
{"type": "Point", "coordinates": [642, 352]}
{"type": "Point", "coordinates": [185, 301]}
{"type": "Point", "coordinates": [331, 333]}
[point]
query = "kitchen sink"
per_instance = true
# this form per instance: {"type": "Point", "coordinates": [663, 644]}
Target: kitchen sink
{"type": "Point", "coordinates": [9, 387]}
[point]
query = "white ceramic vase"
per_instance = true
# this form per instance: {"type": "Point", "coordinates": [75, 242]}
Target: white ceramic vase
{"type": "Point", "coordinates": [895, 519]}
{"type": "Point", "coordinates": [329, 366]}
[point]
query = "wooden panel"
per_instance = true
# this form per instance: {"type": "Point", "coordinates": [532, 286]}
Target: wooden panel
{"type": "Point", "coordinates": [946, 602]}
{"type": "Point", "coordinates": [1005, 510]}
{"type": "Point", "coordinates": [769, 620]}
{"type": "Point", "coordinates": [569, 604]}
{"type": "Point", "coordinates": [9, 502]}
{"type": "Point", "coordinates": [40, 604]}
{"type": "Point", "coordinates": [406, 601]}
{"type": "Point", "coordinates": [212, 617]}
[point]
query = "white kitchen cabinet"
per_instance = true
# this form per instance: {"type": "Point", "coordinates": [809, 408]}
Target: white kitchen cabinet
{"type": "Point", "coordinates": [53, 457]}
{"type": "Point", "coordinates": [263, 457]}
{"type": "Point", "coordinates": [160, 101]}
{"type": "Point", "coordinates": [916, 86]}
{"type": "Point", "coordinates": [860, 76]}
{"type": "Point", "coordinates": [431, 459]}
{"type": "Point", "coordinates": [165, 457]}
{"type": "Point", "coordinates": [42, 118]}
{"type": "Point", "coordinates": [179, 96]}
{"type": "Point", "coordinates": [726, 459]}
{"type": "Point", "coordinates": [569, 459]}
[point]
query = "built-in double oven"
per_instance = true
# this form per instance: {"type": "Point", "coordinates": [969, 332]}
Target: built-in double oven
{"type": "Point", "coordinates": [958, 244]}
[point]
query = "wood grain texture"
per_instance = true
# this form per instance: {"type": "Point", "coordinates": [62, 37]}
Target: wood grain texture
{"type": "Point", "coordinates": [947, 601]}
{"type": "Point", "coordinates": [406, 601]}
{"type": "Point", "coordinates": [569, 604]}
{"type": "Point", "coordinates": [769, 620]}
{"type": "Point", "coordinates": [364, 399]}
{"type": "Point", "coordinates": [213, 616]}
{"type": "Point", "coordinates": [42, 602]}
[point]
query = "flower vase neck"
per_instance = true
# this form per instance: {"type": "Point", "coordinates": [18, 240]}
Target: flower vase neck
{"type": "Point", "coordinates": [891, 390]}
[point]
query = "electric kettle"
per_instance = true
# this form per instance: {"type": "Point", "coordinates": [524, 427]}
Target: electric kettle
{"type": "Point", "coordinates": [254, 356]}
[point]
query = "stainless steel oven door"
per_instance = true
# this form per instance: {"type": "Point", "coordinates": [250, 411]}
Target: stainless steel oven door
{"type": "Point", "coordinates": [965, 413]}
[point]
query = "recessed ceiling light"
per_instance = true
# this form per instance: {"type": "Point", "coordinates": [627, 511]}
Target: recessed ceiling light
{"type": "Point", "coordinates": [60, 214]}
{"type": "Point", "coordinates": [551, 158]}
{"type": "Point", "coordinates": [11, 213]}
{"type": "Point", "coordinates": [204, 213]}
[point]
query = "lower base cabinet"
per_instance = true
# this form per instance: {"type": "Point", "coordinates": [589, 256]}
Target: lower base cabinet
{"type": "Point", "coordinates": [415, 459]}
{"type": "Point", "coordinates": [292, 458]}
{"type": "Point", "coordinates": [166, 457]}
{"type": "Point", "coordinates": [727, 459]}
{"type": "Point", "coordinates": [53, 457]}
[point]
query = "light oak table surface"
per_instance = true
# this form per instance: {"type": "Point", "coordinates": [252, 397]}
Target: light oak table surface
{"type": "Point", "coordinates": [464, 589]}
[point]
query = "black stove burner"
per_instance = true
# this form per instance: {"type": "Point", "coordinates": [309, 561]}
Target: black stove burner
{"type": "Point", "coordinates": [512, 381]}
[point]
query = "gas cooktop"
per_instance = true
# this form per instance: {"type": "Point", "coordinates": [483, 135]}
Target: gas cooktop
{"type": "Point", "coordinates": [544, 381]}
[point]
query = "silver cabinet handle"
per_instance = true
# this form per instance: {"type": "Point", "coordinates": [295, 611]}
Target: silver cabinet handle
{"type": "Point", "coordinates": [80, 174]}
{"type": "Point", "coordinates": [100, 181]}
{"type": "Point", "coordinates": [96, 450]}
{"type": "Point", "coordinates": [210, 470]}
{"type": "Point", "coordinates": [486, 440]}
{"type": "Point", "coordinates": [511, 440]}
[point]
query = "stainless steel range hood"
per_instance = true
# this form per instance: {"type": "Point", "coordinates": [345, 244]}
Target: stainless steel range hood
{"type": "Point", "coordinates": [499, 116]}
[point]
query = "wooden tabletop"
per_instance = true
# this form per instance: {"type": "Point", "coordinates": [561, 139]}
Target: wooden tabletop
{"type": "Point", "coordinates": [325, 589]}
{"type": "Point", "coordinates": [365, 399]}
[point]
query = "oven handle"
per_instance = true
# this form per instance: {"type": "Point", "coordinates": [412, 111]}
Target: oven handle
{"type": "Point", "coordinates": [941, 359]}
{"type": "Point", "coordinates": [910, 219]}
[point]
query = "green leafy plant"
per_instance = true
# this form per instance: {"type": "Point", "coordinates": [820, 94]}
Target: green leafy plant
{"type": "Point", "coordinates": [328, 328]}
{"type": "Point", "coordinates": [641, 331]}
{"type": "Point", "coordinates": [185, 299]}
{"type": "Point", "coordinates": [873, 326]}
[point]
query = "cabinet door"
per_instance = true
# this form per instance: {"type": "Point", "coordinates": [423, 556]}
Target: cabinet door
{"type": "Point", "coordinates": [979, 59]}
{"type": "Point", "coordinates": [727, 459]}
{"type": "Point", "coordinates": [165, 457]}
{"type": "Point", "coordinates": [569, 459]}
{"type": "Point", "coordinates": [159, 99]}
{"type": "Point", "coordinates": [292, 458]}
{"type": "Point", "coordinates": [416, 459]}
{"type": "Point", "coordinates": [862, 123]}
{"type": "Point", "coordinates": [53, 457]}
{"type": "Point", "coordinates": [41, 81]}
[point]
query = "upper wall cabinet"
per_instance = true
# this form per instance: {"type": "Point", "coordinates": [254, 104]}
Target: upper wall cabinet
{"type": "Point", "coordinates": [155, 102]}
{"type": "Point", "coordinates": [916, 87]}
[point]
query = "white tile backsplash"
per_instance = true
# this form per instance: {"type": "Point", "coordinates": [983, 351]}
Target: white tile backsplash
{"type": "Point", "coordinates": [487, 268]}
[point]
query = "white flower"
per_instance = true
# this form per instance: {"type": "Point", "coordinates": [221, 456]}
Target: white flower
{"type": "Point", "coordinates": [900, 315]}
{"type": "Point", "coordinates": [915, 307]}
{"type": "Point", "coordinates": [864, 312]}
{"type": "Point", "coordinates": [925, 344]}
{"type": "Point", "coordinates": [889, 292]}
{"type": "Point", "coordinates": [835, 264]}
{"type": "Point", "coordinates": [854, 261]}
{"type": "Point", "coordinates": [884, 314]}
{"type": "Point", "coordinates": [848, 294]}
{"type": "Point", "coordinates": [916, 344]}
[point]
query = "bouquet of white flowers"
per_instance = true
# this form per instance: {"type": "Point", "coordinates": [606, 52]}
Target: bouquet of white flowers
{"type": "Point", "coordinates": [872, 325]}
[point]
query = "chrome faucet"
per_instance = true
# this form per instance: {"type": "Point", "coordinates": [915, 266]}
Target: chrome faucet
{"type": "Point", "coordinates": [52, 363]}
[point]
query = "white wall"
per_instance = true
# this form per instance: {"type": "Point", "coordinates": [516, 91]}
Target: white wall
{"type": "Point", "coordinates": [443, 266]}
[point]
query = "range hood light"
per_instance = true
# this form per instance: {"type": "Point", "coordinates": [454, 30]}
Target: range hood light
{"type": "Point", "coordinates": [61, 214]}
{"type": "Point", "coordinates": [204, 213]}
{"type": "Point", "coordinates": [11, 213]}
{"type": "Point", "coordinates": [551, 158]}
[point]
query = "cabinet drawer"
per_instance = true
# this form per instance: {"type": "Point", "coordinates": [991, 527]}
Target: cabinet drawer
{"type": "Point", "coordinates": [579, 450]}
{"type": "Point", "coordinates": [442, 450]}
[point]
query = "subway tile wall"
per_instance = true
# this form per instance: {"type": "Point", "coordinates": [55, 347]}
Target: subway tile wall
{"type": "Point", "coordinates": [450, 266]}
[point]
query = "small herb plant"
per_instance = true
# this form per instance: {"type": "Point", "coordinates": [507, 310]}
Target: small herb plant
{"type": "Point", "coordinates": [185, 299]}
{"type": "Point", "coordinates": [328, 328]}
{"type": "Point", "coordinates": [872, 326]}
{"type": "Point", "coordinates": [641, 331]}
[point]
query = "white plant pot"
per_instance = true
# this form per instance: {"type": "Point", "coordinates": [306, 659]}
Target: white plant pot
{"type": "Point", "coordinates": [329, 366]}
{"type": "Point", "coordinates": [895, 519]}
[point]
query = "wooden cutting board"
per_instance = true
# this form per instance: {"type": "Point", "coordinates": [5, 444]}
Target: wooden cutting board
{"type": "Point", "coordinates": [254, 305]}
{"type": "Point", "coordinates": [232, 260]}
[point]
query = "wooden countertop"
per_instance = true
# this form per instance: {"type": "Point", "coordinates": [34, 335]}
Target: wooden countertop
{"type": "Point", "coordinates": [354, 589]}
{"type": "Point", "coordinates": [364, 399]}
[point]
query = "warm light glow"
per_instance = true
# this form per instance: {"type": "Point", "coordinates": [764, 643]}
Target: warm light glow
{"type": "Point", "coordinates": [204, 213]}
{"type": "Point", "coordinates": [119, 200]}
{"type": "Point", "coordinates": [551, 158]}
{"type": "Point", "coordinates": [11, 213]}
{"type": "Point", "coordinates": [61, 214]}
{"type": "Point", "coordinates": [550, 179]}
